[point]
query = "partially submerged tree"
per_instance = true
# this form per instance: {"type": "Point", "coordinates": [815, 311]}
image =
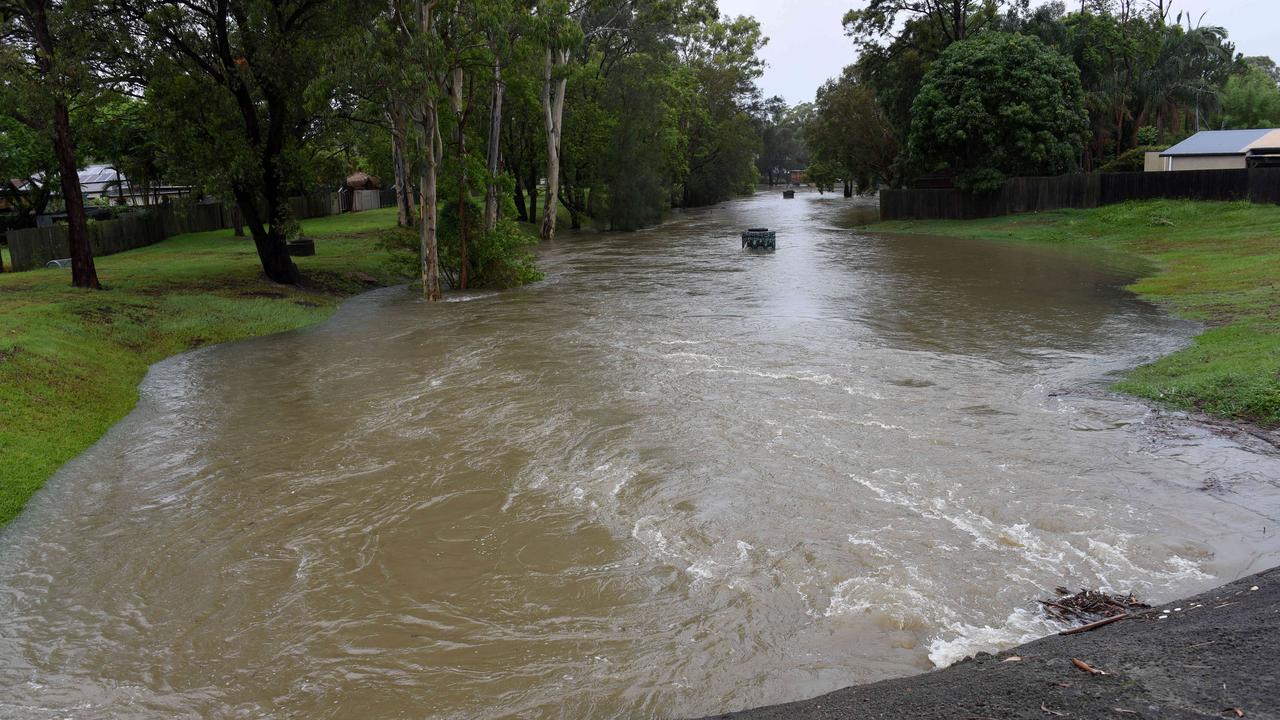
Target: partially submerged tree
{"type": "Point", "coordinates": [559, 33]}
{"type": "Point", "coordinates": [850, 131]}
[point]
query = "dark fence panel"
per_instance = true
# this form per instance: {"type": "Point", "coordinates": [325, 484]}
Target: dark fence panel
{"type": "Point", "coordinates": [33, 247]}
{"type": "Point", "coordinates": [1189, 184]}
{"type": "Point", "coordinates": [1264, 185]}
{"type": "Point", "coordinates": [1038, 194]}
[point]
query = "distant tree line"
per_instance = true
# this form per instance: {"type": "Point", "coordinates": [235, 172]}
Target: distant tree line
{"type": "Point", "coordinates": [481, 113]}
{"type": "Point", "coordinates": [990, 88]}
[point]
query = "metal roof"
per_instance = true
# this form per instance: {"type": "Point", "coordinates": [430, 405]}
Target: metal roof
{"type": "Point", "coordinates": [1217, 142]}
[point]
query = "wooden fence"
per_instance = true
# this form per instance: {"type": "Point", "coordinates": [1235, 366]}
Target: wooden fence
{"type": "Point", "coordinates": [32, 248]}
{"type": "Point", "coordinates": [1037, 194]}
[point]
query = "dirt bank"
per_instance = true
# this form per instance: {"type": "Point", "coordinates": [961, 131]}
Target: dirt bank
{"type": "Point", "coordinates": [1210, 656]}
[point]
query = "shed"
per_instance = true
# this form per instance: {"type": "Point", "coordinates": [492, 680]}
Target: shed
{"type": "Point", "coordinates": [1216, 149]}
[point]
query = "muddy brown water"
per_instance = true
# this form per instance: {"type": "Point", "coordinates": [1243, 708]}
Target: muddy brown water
{"type": "Point", "coordinates": [674, 478]}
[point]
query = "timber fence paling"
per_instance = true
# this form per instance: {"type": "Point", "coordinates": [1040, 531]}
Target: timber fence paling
{"type": "Point", "coordinates": [1081, 191]}
{"type": "Point", "coordinates": [366, 200]}
{"type": "Point", "coordinates": [32, 248]}
{"type": "Point", "coordinates": [1264, 185]}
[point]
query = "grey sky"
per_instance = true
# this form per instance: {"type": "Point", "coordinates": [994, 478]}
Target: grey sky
{"type": "Point", "coordinates": [807, 43]}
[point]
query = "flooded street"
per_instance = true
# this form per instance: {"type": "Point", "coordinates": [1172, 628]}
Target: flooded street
{"type": "Point", "coordinates": [674, 478]}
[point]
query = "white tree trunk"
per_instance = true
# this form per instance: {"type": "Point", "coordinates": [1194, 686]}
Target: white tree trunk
{"type": "Point", "coordinates": [429, 123]}
{"type": "Point", "coordinates": [429, 251]}
{"type": "Point", "coordinates": [399, 143]}
{"type": "Point", "coordinates": [495, 140]}
{"type": "Point", "coordinates": [553, 90]}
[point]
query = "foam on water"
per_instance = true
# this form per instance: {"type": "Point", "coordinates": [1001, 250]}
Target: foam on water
{"type": "Point", "coordinates": [960, 640]}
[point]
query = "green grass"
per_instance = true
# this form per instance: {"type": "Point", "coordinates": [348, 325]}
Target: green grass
{"type": "Point", "coordinates": [71, 360]}
{"type": "Point", "coordinates": [1218, 263]}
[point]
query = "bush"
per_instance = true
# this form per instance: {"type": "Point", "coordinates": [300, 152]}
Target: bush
{"type": "Point", "coordinates": [1131, 160]}
{"type": "Point", "coordinates": [501, 258]}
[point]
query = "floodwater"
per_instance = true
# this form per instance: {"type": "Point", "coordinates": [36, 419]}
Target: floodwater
{"type": "Point", "coordinates": [675, 478]}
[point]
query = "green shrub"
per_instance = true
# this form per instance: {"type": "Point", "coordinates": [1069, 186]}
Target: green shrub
{"type": "Point", "coordinates": [501, 258]}
{"type": "Point", "coordinates": [1131, 160]}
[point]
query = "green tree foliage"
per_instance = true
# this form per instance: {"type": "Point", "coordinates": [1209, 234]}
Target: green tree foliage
{"type": "Point", "coordinates": [996, 105]}
{"type": "Point", "coordinates": [121, 131]}
{"type": "Point", "coordinates": [50, 53]}
{"type": "Point", "coordinates": [1251, 99]}
{"type": "Point", "coordinates": [27, 166]}
{"type": "Point", "coordinates": [850, 132]}
{"type": "Point", "coordinates": [955, 20]}
{"type": "Point", "coordinates": [782, 142]}
{"type": "Point", "coordinates": [1141, 64]}
{"type": "Point", "coordinates": [254, 64]}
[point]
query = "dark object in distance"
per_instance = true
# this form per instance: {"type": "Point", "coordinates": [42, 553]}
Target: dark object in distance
{"type": "Point", "coordinates": [788, 194]}
{"type": "Point", "coordinates": [302, 247]}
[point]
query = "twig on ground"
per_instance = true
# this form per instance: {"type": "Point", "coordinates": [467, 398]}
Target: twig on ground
{"type": "Point", "coordinates": [1087, 667]}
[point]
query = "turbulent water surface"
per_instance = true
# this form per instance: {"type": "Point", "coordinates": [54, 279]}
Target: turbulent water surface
{"type": "Point", "coordinates": [674, 478]}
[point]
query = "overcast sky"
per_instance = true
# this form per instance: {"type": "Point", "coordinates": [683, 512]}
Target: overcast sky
{"type": "Point", "coordinates": [807, 43]}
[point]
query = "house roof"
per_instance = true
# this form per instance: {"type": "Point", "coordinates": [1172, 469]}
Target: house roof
{"type": "Point", "coordinates": [1221, 142]}
{"type": "Point", "coordinates": [99, 178]}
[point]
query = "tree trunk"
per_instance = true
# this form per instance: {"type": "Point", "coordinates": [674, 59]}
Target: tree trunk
{"type": "Point", "coordinates": [430, 212]}
{"type": "Point", "coordinates": [399, 140]}
{"type": "Point", "coordinates": [272, 246]}
{"type": "Point", "coordinates": [574, 223]}
{"type": "Point", "coordinates": [460, 143]}
{"type": "Point", "coordinates": [533, 192]}
{"type": "Point", "coordinates": [272, 251]}
{"type": "Point", "coordinates": [495, 146]}
{"type": "Point", "coordinates": [553, 111]}
{"type": "Point", "coordinates": [521, 213]}
{"type": "Point", "coordinates": [83, 272]}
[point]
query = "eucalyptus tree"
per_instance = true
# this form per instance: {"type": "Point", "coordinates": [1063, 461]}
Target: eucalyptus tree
{"type": "Point", "coordinates": [255, 67]}
{"type": "Point", "coordinates": [560, 33]}
{"type": "Point", "coordinates": [48, 60]}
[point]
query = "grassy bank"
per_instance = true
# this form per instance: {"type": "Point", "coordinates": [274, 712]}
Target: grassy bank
{"type": "Point", "coordinates": [1218, 263]}
{"type": "Point", "coordinates": [71, 360]}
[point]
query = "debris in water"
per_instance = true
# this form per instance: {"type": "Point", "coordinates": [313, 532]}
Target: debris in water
{"type": "Point", "coordinates": [1090, 608]}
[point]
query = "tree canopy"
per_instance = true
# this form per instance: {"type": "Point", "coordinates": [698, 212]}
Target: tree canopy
{"type": "Point", "coordinates": [999, 104]}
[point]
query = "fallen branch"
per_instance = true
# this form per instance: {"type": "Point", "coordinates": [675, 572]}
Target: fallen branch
{"type": "Point", "coordinates": [1094, 625]}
